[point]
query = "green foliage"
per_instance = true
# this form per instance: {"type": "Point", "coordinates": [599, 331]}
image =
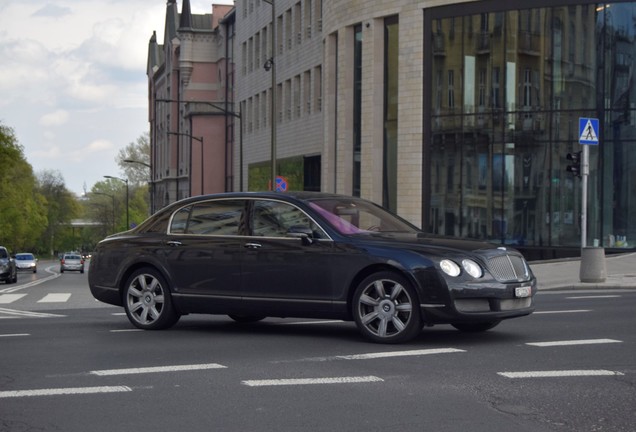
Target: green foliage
{"type": "Point", "coordinates": [62, 208]}
{"type": "Point", "coordinates": [138, 171]}
{"type": "Point", "coordinates": [23, 210]}
{"type": "Point", "coordinates": [290, 168]}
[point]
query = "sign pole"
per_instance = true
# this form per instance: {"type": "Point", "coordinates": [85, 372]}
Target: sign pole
{"type": "Point", "coordinates": [585, 171]}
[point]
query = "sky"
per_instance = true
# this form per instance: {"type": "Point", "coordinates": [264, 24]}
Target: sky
{"type": "Point", "coordinates": [73, 84]}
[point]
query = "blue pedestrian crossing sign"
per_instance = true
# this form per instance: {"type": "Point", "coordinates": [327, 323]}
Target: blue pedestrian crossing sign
{"type": "Point", "coordinates": [588, 131]}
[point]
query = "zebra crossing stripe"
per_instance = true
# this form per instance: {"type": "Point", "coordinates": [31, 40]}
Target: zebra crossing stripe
{"type": "Point", "coordinates": [55, 298]}
{"type": "Point", "coordinates": [10, 298]}
{"type": "Point", "coordinates": [17, 313]}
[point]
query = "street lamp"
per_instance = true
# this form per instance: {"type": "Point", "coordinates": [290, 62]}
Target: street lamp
{"type": "Point", "coordinates": [200, 139]}
{"type": "Point", "coordinates": [270, 64]}
{"type": "Point", "coordinates": [150, 182]}
{"type": "Point", "coordinates": [238, 116]}
{"type": "Point", "coordinates": [127, 208]}
{"type": "Point", "coordinates": [113, 197]}
{"type": "Point", "coordinates": [226, 112]}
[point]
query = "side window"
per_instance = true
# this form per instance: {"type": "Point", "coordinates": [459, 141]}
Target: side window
{"type": "Point", "coordinates": [180, 221]}
{"type": "Point", "coordinates": [275, 219]}
{"type": "Point", "coordinates": [223, 217]}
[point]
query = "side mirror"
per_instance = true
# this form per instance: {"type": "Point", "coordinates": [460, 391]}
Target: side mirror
{"type": "Point", "coordinates": [301, 232]}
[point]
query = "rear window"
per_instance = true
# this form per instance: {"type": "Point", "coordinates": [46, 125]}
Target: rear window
{"type": "Point", "coordinates": [72, 257]}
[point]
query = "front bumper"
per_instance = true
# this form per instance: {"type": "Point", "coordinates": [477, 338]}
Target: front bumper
{"type": "Point", "coordinates": [484, 301]}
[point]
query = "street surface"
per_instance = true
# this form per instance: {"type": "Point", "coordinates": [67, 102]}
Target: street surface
{"type": "Point", "coordinates": [69, 363]}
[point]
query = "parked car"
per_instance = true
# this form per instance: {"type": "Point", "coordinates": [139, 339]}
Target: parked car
{"type": "Point", "coordinates": [72, 262]}
{"type": "Point", "coordinates": [26, 261]}
{"type": "Point", "coordinates": [8, 269]}
{"type": "Point", "coordinates": [257, 255]}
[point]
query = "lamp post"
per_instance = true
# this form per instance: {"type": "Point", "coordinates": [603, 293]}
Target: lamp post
{"type": "Point", "coordinates": [127, 208]}
{"type": "Point", "coordinates": [227, 113]}
{"type": "Point", "coordinates": [238, 116]}
{"type": "Point", "coordinates": [150, 182]}
{"type": "Point", "coordinates": [270, 64]}
{"type": "Point", "coordinates": [113, 197]}
{"type": "Point", "coordinates": [200, 139]}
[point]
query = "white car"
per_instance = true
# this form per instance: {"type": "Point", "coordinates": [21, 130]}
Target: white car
{"type": "Point", "coordinates": [72, 262]}
{"type": "Point", "coordinates": [26, 261]}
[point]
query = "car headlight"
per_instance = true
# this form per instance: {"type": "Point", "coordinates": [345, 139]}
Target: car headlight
{"type": "Point", "coordinates": [450, 268]}
{"type": "Point", "coordinates": [472, 268]}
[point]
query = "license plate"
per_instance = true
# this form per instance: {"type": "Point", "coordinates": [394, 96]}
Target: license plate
{"type": "Point", "coordinates": [521, 292]}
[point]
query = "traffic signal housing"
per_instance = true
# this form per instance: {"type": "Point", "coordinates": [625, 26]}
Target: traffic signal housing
{"type": "Point", "coordinates": [575, 163]}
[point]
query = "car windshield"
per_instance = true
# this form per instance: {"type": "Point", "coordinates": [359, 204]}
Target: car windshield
{"type": "Point", "coordinates": [353, 216]}
{"type": "Point", "coordinates": [24, 257]}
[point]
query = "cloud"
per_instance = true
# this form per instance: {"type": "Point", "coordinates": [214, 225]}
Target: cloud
{"type": "Point", "coordinates": [51, 10]}
{"type": "Point", "coordinates": [56, 118]}
{"type": "Point", "coordinates": [100, 145]}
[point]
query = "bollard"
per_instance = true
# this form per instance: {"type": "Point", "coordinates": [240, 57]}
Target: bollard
{"type": "Point", "coordinates": [593, 265]}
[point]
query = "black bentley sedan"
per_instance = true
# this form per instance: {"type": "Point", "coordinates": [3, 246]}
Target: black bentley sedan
{"type": "Point", "coordinates": [303, 254]}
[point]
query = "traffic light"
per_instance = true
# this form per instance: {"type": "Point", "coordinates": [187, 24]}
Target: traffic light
{"type": "Point", "coordinates": [575, 166]}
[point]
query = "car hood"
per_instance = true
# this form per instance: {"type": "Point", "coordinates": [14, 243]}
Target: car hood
{"type": "Point", "coordinates": [425, 242]}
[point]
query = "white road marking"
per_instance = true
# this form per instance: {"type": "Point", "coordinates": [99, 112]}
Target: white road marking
{"type": "Point", "coordinates": [31, 284]}
{"type": "Point", "coordinates": [562, 311]}
{"type": "Point", "coordinates": [64, 391]}
{"type": "Point", "coordinates": [132, 371]}
{"type": "Point", "coordinates": [574, 342]}
{"type": "Point", "coordinates": [126, 330]}
{"type": "Point", "coordinates": [26, 314]}
{"type": "Point", "coordinates": [55, 298]}
{"type": "Point", "coordinates": [369, 356]}
{"type": "Point", "coordinates": [309, 381]}
{"type": "Point", "coordinates": [559, 373]}
{"type": "Point", "coordinates": [15, 335]}
{"type": "Point", "coordinates": [593, 297]}
{"type": "Point", "coordinates": [10, 298]}
{"type": "Point", "coordinates": [398, 354]}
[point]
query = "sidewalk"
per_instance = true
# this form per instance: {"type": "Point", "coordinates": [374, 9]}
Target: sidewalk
{"type": "Point", "coordinates": [565, 274]}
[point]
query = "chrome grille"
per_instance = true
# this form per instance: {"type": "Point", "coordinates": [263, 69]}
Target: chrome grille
{"type": "Point", "coordinates": [508, 268]}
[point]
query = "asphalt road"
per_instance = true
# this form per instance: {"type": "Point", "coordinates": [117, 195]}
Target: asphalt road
{"type": "Point", "coordinates": [69, 363]}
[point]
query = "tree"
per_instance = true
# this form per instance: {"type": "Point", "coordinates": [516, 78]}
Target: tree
{"type": "Point", "coordinates": [138, 171]}
{"type": "Point", "coordinates": [62, 208]}
{"type": "Point", "coordinates": [22, 213]}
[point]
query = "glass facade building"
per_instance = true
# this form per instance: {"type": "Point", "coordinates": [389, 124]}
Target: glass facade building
{"type": "Point", "coordinates": [504, 88]}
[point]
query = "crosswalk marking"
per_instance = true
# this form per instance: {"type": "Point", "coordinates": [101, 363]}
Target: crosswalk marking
{"type": "Point", "coordinates": [10, 313]}
{"type": "Point", "coordinates": [573, 342]}
{"type": "Point", "coordinates": [55, 298]}
{"type": "Point", "coordinates": [559, 373]}
{"type": "Point", "coordinates": [10, 298]}
{"type": "Point", "coordinates": [48, 298]}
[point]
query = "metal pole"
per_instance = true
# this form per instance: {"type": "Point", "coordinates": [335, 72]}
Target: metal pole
{"type": "Point", "coordinates": [585, 172]}
{"type": "Point", "coordinates": [274, 120]}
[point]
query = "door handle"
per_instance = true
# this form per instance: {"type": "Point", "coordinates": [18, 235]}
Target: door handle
{"type": "Point", "coordinates": [252, 245]}
{"type": "Point", "coordinates": [174, 243]}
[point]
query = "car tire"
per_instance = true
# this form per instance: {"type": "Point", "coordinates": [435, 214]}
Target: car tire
{"type": "Point", "coordinates": [245, 319]}
{"type": "Point", "coordinates": [475, 327]}
{"type": "Point", "coordinates": [148, 302]}
{"type": "Point", "coordinates": [386, 308]}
